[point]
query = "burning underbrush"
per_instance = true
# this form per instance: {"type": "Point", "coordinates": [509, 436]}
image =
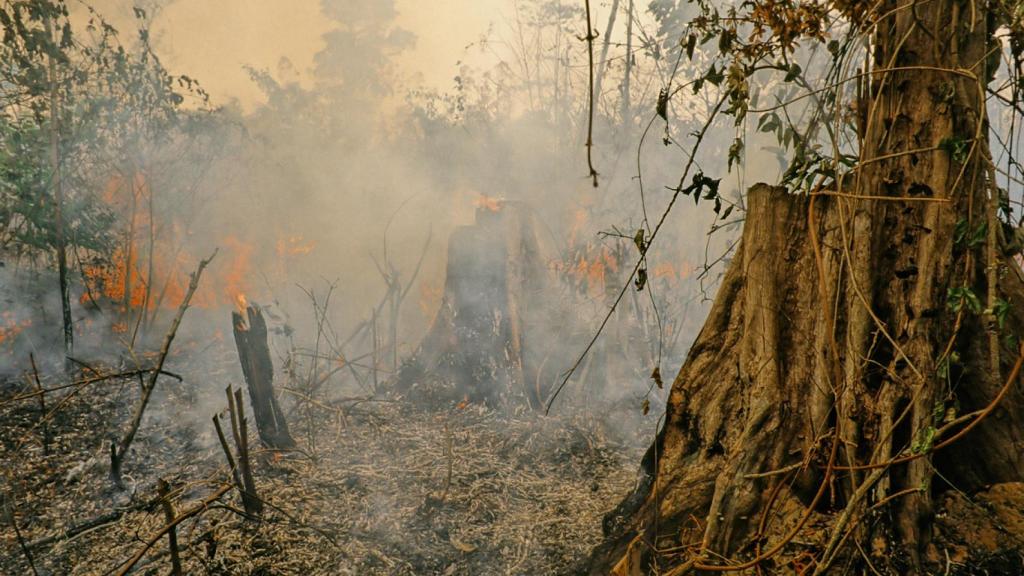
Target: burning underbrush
{"type": "Point", "coordinates": [388, 489]}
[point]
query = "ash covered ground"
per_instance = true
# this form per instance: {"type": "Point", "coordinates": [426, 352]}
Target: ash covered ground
{"type": "Point", "coordinates": [377, 486]}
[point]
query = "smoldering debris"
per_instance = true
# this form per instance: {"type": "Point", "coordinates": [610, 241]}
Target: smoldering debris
{"type": "Point", "coordinates": [391, 490]}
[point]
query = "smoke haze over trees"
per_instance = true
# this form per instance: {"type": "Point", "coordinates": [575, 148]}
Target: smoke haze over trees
{"type": "Point", "coordinates": [405, 196]}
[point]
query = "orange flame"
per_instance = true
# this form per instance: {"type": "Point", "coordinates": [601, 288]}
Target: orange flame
{"type": "Point", "coordinates": [10, 327]}
{"type": "Point", "coordinates": [139, 274]}
{"type": "Point", "coordinates": [488, 203]}
{"type": "Point", "coordinates": [236, 277]}
{"type": "Point", "coordinates": [294, 246]}
{"type": "Point", "coordinates": [431, 294]}
{"type": "Point", "coordinates": [589, 269]}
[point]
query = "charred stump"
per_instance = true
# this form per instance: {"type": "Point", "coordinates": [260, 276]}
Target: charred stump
{"type": "Point", "coordinates": [258, 369]}
{"type": "Point", "coordinates": [491, 337]}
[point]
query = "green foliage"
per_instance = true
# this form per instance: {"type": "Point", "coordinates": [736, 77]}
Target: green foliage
{"type": "Point", "coordinates": [957, 148]}
{"type": "Point", "coordinates": [114, 105]}
{"type": "Point", "coordinates": [944, 365]}
{"type": "Point", "coordinates": [999, 311]}
{"type": "Point", "coordinates": [924, 441]}
{"type": "Point", "coordinates": [958, 298]}
{"type": "Point", "coordinates": [972, 238]}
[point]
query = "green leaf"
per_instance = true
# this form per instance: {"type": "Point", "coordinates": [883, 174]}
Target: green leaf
{"type": "Point", "coordinates": [768, 122]}
{"type": "Point", "coordinates": [714, 76]}
{"type": "Point", "coordinates": [924, 441]}
{"type": "Point", "coordinates": [1000, 311]}
{"type": "Point", "coordinates": [725, 41]}
{"type": "Point", "coordinates": [960, 230]}
{"type": "Point", "coordinates": [957, 298]}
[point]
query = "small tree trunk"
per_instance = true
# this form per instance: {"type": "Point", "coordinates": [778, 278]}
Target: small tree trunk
{"type": "Point", "coordinates": [120, 450]}
{"type": "Point", "coordinates": [602, 64]}
{"type": "Point", "coordinates": [258, 369]}
{"type": "Point", "coordinates": [628, 72]}
{"type": "Point", "coordinates": [58, 203]}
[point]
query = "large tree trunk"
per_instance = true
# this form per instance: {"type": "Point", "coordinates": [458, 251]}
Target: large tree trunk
{"type": "Point", "coordinates": [845, 344]}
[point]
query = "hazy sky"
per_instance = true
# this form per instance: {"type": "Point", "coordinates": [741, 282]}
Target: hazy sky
{"type": "Point", "coordinates": [212, 40]}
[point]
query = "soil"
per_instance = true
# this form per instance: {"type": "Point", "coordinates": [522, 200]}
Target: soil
{"type": "Point", "coordinates": [378, 486]}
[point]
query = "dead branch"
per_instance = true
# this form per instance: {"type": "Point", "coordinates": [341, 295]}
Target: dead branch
{"type": "Point", "coordinates": [590, 37]}
{"type": "Point", "coordinates": [87, 525]}
{"type": "Point", "coordinates": [227, 454]}
{"type": "Point", "coordinates": [91, 380]}
{"type": "Point", "coordinates": [25, 549]}
{"type": "Point", "coordinates": [239, 431]}
{"type": "Point", "coordinates": [117, 453]}
{"type": "Point", "coordinates": [42, 406]}
{"type": "Point", "coordinates": [164, 490]}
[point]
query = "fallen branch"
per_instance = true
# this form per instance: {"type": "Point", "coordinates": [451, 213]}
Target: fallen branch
{"type": "Point", "coordinates": [90, 380]}
{"type": "Point", "coordinates": [85, 526]}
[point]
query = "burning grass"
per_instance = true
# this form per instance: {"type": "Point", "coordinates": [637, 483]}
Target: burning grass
{"type": "Point", "coordinates": [390, 490]}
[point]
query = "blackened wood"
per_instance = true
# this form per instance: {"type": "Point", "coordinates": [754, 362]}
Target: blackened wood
{"type": "Point", "coordinates": [258, 368]}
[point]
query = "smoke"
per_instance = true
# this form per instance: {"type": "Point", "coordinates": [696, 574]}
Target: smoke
{"type": "Point", "coordinates": [349, 174]}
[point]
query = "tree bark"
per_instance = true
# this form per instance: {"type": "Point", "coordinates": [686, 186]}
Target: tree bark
{"type": "Point", "coordinates": [846, 342]}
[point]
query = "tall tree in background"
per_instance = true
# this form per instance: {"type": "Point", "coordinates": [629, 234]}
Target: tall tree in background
{"type": "Point", "coordinates": [854, 399]}
{"type": "Point", "coordinates": [57, 183]}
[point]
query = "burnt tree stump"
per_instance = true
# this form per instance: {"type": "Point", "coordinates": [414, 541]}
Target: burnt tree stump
{"type": "Point", "coordinates": [494, 330]}
{"type": "Point", "coordinates": [258, 369]}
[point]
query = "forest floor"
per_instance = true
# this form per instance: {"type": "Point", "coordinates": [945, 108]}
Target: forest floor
{"type": "Point", "coordinates": [378, 487]}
